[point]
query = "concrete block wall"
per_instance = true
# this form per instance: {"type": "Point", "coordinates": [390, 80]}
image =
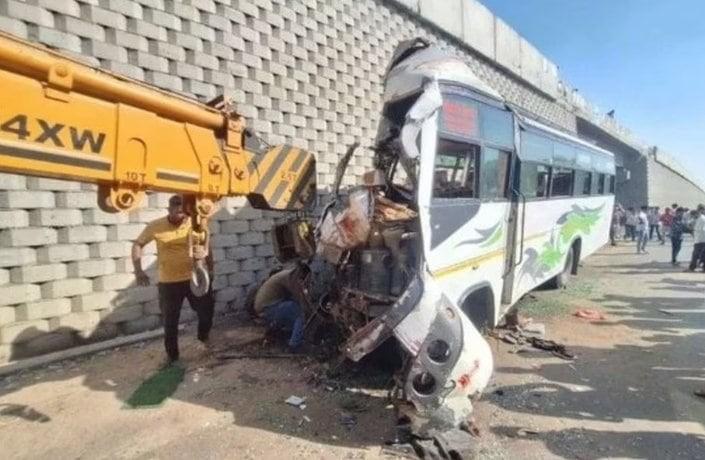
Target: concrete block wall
{"type": "Point", "coordinates": [307, 72]}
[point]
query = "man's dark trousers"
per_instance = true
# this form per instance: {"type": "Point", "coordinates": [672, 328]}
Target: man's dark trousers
{"type": "Point", "coordinates": [171, 298]}
{"type": "Point", "coordinates": [698, 250]}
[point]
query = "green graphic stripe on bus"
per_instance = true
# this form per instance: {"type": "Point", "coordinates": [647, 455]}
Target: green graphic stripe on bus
{"type": "Point", "coordinates": [579, 220]}
{"type": "Point", "coordinates": [486, 234]}
{"type": "Point", "coordinates": [495, 237]}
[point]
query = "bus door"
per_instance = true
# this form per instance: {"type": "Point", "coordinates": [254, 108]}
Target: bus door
{"type": "Point", "coordinates": [464, 222]}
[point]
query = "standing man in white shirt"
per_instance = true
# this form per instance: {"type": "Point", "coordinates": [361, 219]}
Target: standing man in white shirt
{"type": "Point", "coordinates": [698, 239]}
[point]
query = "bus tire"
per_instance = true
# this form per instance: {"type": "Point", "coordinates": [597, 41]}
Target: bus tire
{"type": "Point", "coordinates": [560, 281]}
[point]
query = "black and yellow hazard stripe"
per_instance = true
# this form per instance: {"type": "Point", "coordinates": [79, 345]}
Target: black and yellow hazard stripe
{"type": "Point", "coordinates": [283, 173]}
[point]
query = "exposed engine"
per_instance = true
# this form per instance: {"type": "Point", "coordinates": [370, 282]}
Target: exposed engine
{"type": "Point", "coordinates": [370, 276]}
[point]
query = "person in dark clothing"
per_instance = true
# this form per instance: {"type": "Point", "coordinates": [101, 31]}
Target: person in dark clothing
{"type": "Point", "coordinates": [677, 230]}
{"type": "Point", "coordinates": [654, 220]}
{"type": "Point", "coordinates": [171, 234]}
{"type": "Point", "coordinates": [615, 225]}
{"type": "Point", "coordinates": [281, 301]}
{"type": "Point", "coordinates": [630, 225]}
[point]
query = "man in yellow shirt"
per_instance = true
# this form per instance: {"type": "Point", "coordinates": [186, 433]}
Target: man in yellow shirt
{"type": "Point", "coordinates": [171, 235]}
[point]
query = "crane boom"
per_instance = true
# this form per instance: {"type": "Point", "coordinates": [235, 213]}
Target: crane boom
{"type": "Point", "coordinates": [61, 118]}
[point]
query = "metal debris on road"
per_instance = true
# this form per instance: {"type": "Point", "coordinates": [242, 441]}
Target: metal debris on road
{"type": "Point", "coordinates": [557, 349]}
{"type": "Point", "coordinates": [519, 337]}
{"type": "Point", "coordinates": [534, 329]}
{"type": "Point", "coordinates": [295, 401]}
{"type": "Point", "coordinates": [348, 420]}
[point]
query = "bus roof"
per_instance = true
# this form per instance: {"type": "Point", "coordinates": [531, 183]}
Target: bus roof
{"type": "Point", "coordinates": [432, 63]}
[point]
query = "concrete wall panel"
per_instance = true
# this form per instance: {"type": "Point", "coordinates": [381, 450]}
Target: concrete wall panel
{"type": "Point", "coordinates": [666, 187]}
{"type": "Point", "coordinates": [447, 14]}
{"type": "Point", "coordinates": [531, 63]}
{"type": "Point", "coordinates": [478, 28]}
{"type": "Point", "coordinates": [508, 46]}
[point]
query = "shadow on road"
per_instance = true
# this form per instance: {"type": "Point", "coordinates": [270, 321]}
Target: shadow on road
{"type": "Point", "coordinates": [641, 382]}
{"type": "Point", "coordinates": [597, 444]}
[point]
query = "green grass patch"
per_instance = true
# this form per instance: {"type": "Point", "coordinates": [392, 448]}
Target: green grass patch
{"type": "Point", "coordinates": [156, 389]}
{"type": "Point", "coordinates": [547, 303]}
{"type": "Point", "coordinates": [579, 288]}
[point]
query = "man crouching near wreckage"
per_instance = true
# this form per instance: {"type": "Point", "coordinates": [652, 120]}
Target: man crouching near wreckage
{"type": "Point", "coordinates": [280, 302]}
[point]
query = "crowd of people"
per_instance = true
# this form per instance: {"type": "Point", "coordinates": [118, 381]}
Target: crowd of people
{"type": "Point", "coordinates": [674, 223]}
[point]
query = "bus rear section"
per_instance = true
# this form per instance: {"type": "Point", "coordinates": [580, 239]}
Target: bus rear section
{"type": "Point", "coordinates": [564, 197]}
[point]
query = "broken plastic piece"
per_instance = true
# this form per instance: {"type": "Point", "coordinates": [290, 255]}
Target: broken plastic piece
{"type": "Point", "coordinates": [592, 315]}
{"type": "Point", "coordinates": [295, 401]}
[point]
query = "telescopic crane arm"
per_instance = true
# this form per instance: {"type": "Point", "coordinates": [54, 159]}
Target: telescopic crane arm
{"type": "Point", "coordinates": [63, 119]}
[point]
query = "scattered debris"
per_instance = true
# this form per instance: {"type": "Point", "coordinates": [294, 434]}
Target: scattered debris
{"type": "Point", "coordinates": [353, 405]}
{"type": "Point", "coordinates": [295, 401]}
{"type": "Point", "coordinates": [348, 420]}
{"type": "Point", "coordinates": [557, 349]}
{"type": "Point", "coordinates": [307, 419]}
{"type": "Point", "coordinates": [590, 314]}
{"type": "Point", "coordinates": [523, 432]}
{"type": "Point", "coordinates": [509, 339]}
{"type": "Point", "coordinates": [471, 427]}
{"type": "Point", "coordinates": [451, 444]}
{"type": "Point", "coordinates": [520, 337]}
{"type": "Point", "coordinates": [534, 329]}
{"type": "Point", "coordinates": [666, 312]}
{"type": "Point", "coordinates": [258, 356]}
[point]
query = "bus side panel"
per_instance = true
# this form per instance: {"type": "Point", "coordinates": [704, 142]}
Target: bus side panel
{"type": "Point", "coordinates": [466, 250]}
{"type": "Point", "coordinates": [550, 227]}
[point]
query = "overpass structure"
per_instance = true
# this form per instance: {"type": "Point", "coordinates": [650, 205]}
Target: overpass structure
{"type": "Point", "coordinates": [305, 72]}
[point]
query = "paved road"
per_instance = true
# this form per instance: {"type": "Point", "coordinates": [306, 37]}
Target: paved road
{"type": "Point", "coordinates": [628, 394]}
{"type": "Point", "coordinates": [630, 391]}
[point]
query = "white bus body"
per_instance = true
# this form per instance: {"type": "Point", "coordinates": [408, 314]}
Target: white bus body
{"type": "Point", "coordinates": [504, 205]}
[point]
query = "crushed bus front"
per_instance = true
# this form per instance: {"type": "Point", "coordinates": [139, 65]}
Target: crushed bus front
{"type": "Point", "coordinates": [371, 243]}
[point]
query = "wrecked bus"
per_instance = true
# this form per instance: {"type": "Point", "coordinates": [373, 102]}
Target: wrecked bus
{"type": "Point", "coordinates": [470, 206]}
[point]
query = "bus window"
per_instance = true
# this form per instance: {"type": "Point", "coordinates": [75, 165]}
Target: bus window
{"type": "Point", "coordinates": [601, 184]}
{"type": "Point", "coordinates": [583, 182]}
{"type": "Point", "coordinates": [497, 126]}
{"type": "Point", "coordinates": [612, 185]}
{"type": "Point", "coordinates": [494, 173]}
{"type": "Point", "coordinates": [534, 180]}
{"type": "Point", "coordinates": [543, 174]}
{"type": "Point", "coordinates": [535, 147]}
{"type": "Point", "coordinates": [454, 173]}
{"type": "Point", "coordinates": [562, 182]}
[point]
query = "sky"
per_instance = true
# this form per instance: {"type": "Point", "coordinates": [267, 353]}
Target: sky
{"type": "Point", "coordinates": [643, 58]}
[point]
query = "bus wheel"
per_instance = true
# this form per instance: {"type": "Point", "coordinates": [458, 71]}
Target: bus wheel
{"type": "Point", "coordinates": [560, 281]}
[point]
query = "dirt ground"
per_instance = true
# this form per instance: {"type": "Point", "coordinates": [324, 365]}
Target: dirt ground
{"type": "Point", "coordinates": [628, 394]}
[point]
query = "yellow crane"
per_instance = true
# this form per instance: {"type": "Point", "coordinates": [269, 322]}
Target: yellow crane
{"type": "Point", "coordinates": [61, 118]}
